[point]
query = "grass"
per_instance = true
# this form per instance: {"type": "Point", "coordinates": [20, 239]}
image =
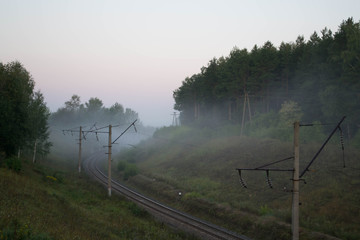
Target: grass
{"type": "Point", "coordinates": [51, 201]}
{"type": "Point", "coordinates": [202, 166]}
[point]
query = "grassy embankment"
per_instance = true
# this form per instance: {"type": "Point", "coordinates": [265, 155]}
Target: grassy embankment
{"type": "Point", "coordinates": [51, 201]}
{"type": "Point", "coordinates": [201, 164]}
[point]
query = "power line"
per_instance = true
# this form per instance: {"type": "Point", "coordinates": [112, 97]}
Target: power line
{"type": "Point", "coordinates": [96, 131]}
{"type": "Point", "coordinates": [296, 176]}
{"type": "Point", "coordinates": [322, 147]}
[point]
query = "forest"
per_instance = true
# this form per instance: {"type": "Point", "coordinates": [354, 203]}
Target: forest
{"type": "Point", "coordinates": [28, 127]}
{"type": "Point", "coordinates": [74, 113]}
{"type": "Point", "coordinates": [23, 114]}
{"type": "Point", "coordinates": [311, 81]}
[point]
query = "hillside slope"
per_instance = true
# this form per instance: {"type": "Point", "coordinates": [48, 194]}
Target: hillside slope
{"type": "Point", "coordinates": [201, 165]}
{"type": "Point", "coordinates": [54, 202]}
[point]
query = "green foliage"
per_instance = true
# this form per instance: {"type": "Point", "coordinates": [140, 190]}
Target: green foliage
{"type": "Point", "coordinates": [74, 112]}
{"type": "Point", "coordinates": [192, 195]}
{"type": "Point", "coordinates": [18, 231]}
{"type": "Point", "coordinates": [269, 125]}
{"type": "Point", "coordinates": [290, 112]}
{"type": "Point", "coordinates": [127, 169]}
{"type": "Point", "coordinates": [121, 166]}
{"type": "Point", "coordinates": [315, 133]}
{"type": "Point", "coordinates": [94, 105]}
{"type": "Point", "coordinates": [314, 80]}
{"type": "Point", "coordinates": [265, 210]}
{"type": "Point", "coordinates": [137, 211]}
{"type": "Point", "coordinates": [23, 112]}
{"type": "Point", "coordinates": [74, 103]}
{"type": "Point", "coordinates": [14, 163]}
{"type": "Point", "coordinates": [130, 171]}
{"type": "Point", "coordinates": [35, 207]}
{"type": "Point", "coordinates": [204, 171]}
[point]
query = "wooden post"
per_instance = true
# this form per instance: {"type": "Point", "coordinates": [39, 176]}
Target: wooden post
{"type": "Point", "coordinates": [295, 200]}
{"type": "Point", "coordinates": [80, 132]}
{"type": "Point", "coordinates": [109, 162]}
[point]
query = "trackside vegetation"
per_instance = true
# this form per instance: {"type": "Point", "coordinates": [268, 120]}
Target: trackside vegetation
{"type": "Point", "coordinates": [50, 200]}
{"type": "Point", "coordinates": [200, 163]}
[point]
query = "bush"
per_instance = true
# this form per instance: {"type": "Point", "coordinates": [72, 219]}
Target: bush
{"type": "Point", "coordinates": [14, 163]}
{"type": "Point", "coordinates": [312, 134]}
{"type": "Point", "coordinates": [121, 166]}
{"type": "Point", "coordinates": [265, 210]}
{"type": "Point", "coordinates": [130, 171]}
{"type": "Point", "coordinates": [18, 231]}
{"type": "Point", "coordinates": [137, 211]}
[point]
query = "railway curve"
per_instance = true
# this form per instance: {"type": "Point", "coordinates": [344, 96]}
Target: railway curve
{"type": "Point", "coordinates": [168, 215]}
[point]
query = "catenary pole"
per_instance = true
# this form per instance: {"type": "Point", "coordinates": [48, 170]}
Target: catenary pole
{"type": "Point", "coordinates": [109, 162]}
{"type": "Point", "coordinates": [295, 200]}
{"type": "Point", "coordinates": [80, 132]}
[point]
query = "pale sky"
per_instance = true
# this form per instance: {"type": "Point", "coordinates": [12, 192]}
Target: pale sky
{"type": "Point", "coordinates": [137, 53]}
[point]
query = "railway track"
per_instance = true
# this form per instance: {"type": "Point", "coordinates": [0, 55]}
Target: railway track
{"type": "Point", "coordinates": [166, 214]}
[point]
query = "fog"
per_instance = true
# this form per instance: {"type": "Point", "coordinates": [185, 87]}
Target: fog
{"type": "Point", "coordinates": [65, 132]}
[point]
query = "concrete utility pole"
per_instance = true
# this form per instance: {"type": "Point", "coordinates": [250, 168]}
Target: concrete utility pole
{"type": "Point", "coordinates": [109, 161]}
{"type": "Point", "coordinates": [80, 132]}
{"type": "Point", "coordinates": [296, 197]}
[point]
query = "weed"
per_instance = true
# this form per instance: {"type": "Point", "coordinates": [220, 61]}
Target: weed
{"type": "Point", "coordinates": [31, 208]}
{"type": "Point", "coordinates": [19, 231]}
{"type": "Point", "coordinates": [137, 211]}
{"type": "Point", "coordinates": [51, 178]}
{"type": "Point", "coordinates": [265, 210]}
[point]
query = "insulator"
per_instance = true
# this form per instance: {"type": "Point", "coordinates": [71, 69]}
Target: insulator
{"type": "Point", "coordinates": [341, 138]}
{"type": "Point", "coordinates": [342, 144]}
{"type": "Point", "coordinates": [243, 184]}
{"type": "Point", "coordinates": [134, 127]}
{"type": "Point", "coordinates": [269, 182]}
{"type": "Point", "coordinates": [268, 179]}
{"type": "Point", "coordinates": [97, 138]}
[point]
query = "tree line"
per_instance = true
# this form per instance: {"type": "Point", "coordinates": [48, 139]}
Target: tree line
{"type": "Point", "coordinates": [25, 118]}
{"type": "Point", "coordinates": [74, 113]}
{"type": "Point", "coordinates": [23, 113]}
{"type": "Point", "coordinates": [318, 79]}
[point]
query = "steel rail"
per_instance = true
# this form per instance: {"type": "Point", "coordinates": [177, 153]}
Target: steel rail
{"type": "Point", "coordinates": [207, 230]}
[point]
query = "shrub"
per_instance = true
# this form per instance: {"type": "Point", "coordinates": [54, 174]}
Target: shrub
{"type": "Point", "coordinates": [121, 166]}
{"type": "Point", "coordinates": [18, 231]}
{"type": "Point", "coordinates": [192, 195]}
{"type": "Point", "coordinates": [130, 171]}
{"type": "Point", "coordinates": [312, 134]}
{"type": "Point", "coordinates": [265, 210]}
{"type": "Point", "coordinates": [137, 211]}
{"type": "Point", "coordinates": [14, 163]}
